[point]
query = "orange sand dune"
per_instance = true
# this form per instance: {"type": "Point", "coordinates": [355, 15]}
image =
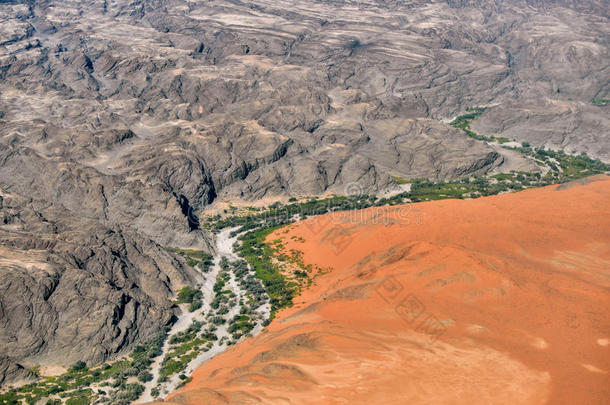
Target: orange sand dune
{"type": "Point", "coordinates": [499, 300]}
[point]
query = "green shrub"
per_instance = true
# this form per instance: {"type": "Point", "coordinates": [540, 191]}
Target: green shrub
{"type": "Point", "coordinates": [145, 376]}
{"type": "Point", "coordinates": [187, 294]}
{"type": "Point", "coordinates": [78, 366]}
{"type": "Point", "coordinates": [259, 255]}
{"type": "Point", "coordinates": [127, 394]}
{"type": "Point", "coordinates": [600, 102]}
{"type": "Point", "coordinates": [195, 305]}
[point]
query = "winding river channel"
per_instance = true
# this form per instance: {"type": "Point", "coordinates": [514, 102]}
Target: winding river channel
{"type": "Point", "coordinates": [224, 248]}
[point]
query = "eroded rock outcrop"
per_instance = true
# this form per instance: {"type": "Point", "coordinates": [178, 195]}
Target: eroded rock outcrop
{"type": "Point", "coordinates": [77, 290]}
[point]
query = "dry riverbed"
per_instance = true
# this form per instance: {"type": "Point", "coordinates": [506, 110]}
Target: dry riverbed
{"type": "Point", "coordinates": [234, 307]}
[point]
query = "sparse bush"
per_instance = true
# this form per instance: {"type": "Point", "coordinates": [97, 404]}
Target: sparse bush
{"type": "Point", "coordinates": [145, 377]}
{"type": "Point", "coordinates": [78, 366]}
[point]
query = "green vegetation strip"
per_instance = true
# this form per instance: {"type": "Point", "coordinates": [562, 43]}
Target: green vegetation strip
{"type": "Point", "coordinates": [258, 223]}
{"type": "Point", "coordinates": [463, 122]}
{"type": "Point", "coordinates": [184, 347]}
{"type": "Point", "coordinates": [259, 255]}
{"type": "Point", "coordinates": [280, 214]}
{"type": "Point", "coordinates": [190, 295]}
{"type": "Point", "coordinates": [84, 385]}
{"type": "Point", "coordinates": [195, 258]}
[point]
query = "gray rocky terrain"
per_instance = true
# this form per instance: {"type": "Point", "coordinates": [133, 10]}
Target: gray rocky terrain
{"type": "Point", "coordinates": [121, 121]}
{"type": "Point", "coordinates": [73, 289]}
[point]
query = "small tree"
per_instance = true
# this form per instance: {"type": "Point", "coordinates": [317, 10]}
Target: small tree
{"type": "Point", "coordinates": [145, 377]}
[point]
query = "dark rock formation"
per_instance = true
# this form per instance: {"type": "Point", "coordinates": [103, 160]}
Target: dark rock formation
{"type": "Point", "coordinates": [11, 371]}
{"type": "Point", "coordinates": [73, 289]}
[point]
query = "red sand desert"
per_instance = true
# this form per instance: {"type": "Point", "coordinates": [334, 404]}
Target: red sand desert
{"type": "Point", "coordinates": [499, 300]}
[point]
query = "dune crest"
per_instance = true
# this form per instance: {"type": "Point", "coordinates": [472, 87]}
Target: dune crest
{"type": "Point", "coordinates": [500, 300]}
